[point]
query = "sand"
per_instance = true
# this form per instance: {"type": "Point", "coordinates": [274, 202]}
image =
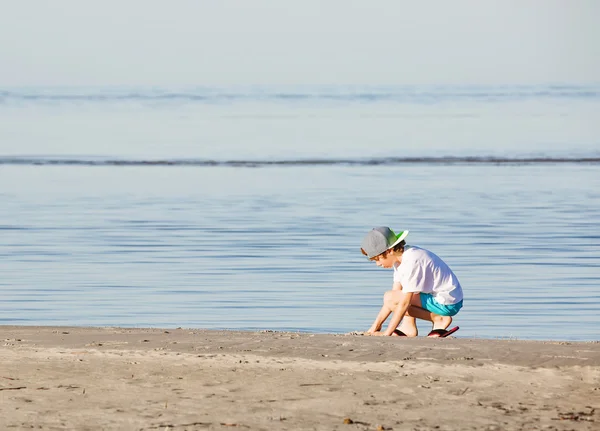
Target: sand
{"type": "Point", "coordinates": [57, 378]}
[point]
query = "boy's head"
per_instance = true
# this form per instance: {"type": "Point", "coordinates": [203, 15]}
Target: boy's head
{"type": "Point", "coordinates": [379, 240]}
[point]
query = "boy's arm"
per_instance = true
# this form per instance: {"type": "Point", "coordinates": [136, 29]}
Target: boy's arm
{"type": "Point", "coordinates": [383, 314]}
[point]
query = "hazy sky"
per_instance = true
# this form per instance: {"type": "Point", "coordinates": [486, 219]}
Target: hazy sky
{"type": "Point", "coordinates": [223, 42]}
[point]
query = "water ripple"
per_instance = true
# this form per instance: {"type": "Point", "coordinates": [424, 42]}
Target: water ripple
{"type": "Point", "coordinates": [380, 161]}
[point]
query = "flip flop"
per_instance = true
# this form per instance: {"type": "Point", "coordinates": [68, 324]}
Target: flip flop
{"type": "Point", "coordinates": [399, 333]}
{"type": "Point", "coordinates": [441, 333]}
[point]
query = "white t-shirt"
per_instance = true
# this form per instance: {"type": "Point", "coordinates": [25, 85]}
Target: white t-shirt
{"type": "Point", "coordinates": [422, 271]}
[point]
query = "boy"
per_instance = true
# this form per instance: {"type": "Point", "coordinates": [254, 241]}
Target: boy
{"type": "Point", "coordinates": [424, 286]}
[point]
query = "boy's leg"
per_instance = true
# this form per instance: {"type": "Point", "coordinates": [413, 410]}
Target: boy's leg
{"type": "Point", "coordinates": [408, 325]}
{"type": "Point", "coordinates": [416, 310]}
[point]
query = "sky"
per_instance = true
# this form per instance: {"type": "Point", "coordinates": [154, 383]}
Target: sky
{"type": "Point", "coordinates": [308, 42]}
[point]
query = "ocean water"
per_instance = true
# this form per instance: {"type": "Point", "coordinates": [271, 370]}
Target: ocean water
{"type": "Point", "coordinates": [244, 208]}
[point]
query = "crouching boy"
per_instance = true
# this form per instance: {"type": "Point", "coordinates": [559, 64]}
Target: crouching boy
{"type": "Point", "coordinates": [424, 286]}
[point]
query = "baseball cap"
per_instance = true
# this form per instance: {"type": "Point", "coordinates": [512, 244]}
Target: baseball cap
{"type": "Point", "coordinates": [380, 239]}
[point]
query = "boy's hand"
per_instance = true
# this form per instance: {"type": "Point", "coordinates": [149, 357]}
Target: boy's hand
{"type": "Point", "coordinates": [375, 333]}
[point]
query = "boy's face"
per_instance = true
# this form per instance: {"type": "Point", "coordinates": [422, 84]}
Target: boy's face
{"type": "Point", "coordinates": [384, 260]}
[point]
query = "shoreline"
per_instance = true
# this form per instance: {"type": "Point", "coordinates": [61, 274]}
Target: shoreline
{"type": "Point", "coordinates": [136, 378]}
{"type": "Point", "coordinates": [532, 353]}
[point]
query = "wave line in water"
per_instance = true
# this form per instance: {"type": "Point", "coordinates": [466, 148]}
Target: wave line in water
{"type": "Point", "coordinates": [385, 161]}
{"type": "Point", "coordinates": [361, 94]}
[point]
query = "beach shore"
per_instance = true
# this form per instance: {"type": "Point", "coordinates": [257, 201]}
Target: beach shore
{"type": "Point", "coordinates": [66, 378]}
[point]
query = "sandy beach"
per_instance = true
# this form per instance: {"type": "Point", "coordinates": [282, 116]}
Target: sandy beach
{"type": "Point", "coordinates": [57, 378]}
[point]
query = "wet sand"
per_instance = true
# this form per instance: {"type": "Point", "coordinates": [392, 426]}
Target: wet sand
{"type": "Point", "coordinates": [63, 378]}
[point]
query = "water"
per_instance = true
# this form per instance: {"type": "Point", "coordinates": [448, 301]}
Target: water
{"type": "Point", "coordinates": [245, 208]}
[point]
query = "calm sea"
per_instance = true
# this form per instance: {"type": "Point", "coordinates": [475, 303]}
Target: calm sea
{"type": "Point", "coordinates": [244, 208]}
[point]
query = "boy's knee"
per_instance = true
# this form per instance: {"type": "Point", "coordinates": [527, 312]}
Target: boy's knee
{"type": "Point", "coordinates": [390, 297]}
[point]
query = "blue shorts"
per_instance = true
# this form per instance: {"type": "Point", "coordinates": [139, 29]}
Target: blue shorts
{"type": "Point", "coordinates": [431, 305]}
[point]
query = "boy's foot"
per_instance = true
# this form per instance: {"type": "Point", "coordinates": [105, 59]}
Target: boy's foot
{"type": "Point", "coordinates": [441, 333]}
{"type": "Point", "coordinates": [399, 333]}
